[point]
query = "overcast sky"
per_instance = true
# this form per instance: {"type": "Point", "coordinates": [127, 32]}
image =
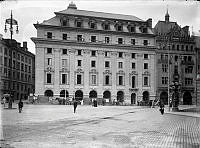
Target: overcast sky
{"type": "Point", "coordinates": [29, 12]}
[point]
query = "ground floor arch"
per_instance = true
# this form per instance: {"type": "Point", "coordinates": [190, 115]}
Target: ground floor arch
{"type": "Point", "coordinates": [164, 97]}
{"type": "Point", "coordinates": [79, 95]}
{"type": "Point", "coordinates": [187, 98]}
{"type": "Point", "coordinates": [48, 93]}
{"type": "Point", "coordinates": [106, 94]}
{"type": "Point", "coordinates": [64, 93]}
{"type": "Point", "coordinates": [93, 94]}
{"type": "Point", "coordinates": [133, 98]}
{"type": "Point", "coordinates": [120, 96]}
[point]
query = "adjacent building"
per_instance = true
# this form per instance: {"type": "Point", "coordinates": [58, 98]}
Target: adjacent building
{"type": "Point", "coordinates": [17, 69]}
{"type": "Point", "coordinates": [88, 54]}
{"type": "Point", "coordinates": [176, 58]}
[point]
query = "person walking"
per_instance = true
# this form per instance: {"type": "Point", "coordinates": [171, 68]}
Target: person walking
{"type": "Point", "coordinates": [20, 105]}
{"type": "Point", "coordinates": [75, 105]}
{"type": "Point", "coordinates": [4, 102]}
{"type": "Point", "coordinates": [162, 107]}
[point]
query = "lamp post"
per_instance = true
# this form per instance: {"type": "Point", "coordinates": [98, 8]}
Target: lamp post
{"type": "Point", "coordinates": [12, 22]}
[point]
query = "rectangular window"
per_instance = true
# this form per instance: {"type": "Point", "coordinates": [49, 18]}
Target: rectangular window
{"type": "Point", "coordinates": [93, 63]}
{"type": "Point", "coordinates": [79, 62]}
{"type": "Point", "coordinates": [133, 65]}
{"type": "Point", "coordinates": [107, 64]}
{"type": "Point", "coordinates": [120, 65]}
{"type": "Point", "coordinates": [120, 80]}
{"type": "Point", "coordinates": [64, 62]}
{"type": "Point", "coordinates": [145, 56]}
{"type": "Point", "coordinates": [49, 50]}
{"type": "Point", "coordinates": [92, 25]}
{"type": "Point", "coordinates": [94, 79]}
{"type": "Point", "coordinates": [145, 65]}
{"type": "Point", "coordinates": [79, 79]}
{"type": "Point", "coordinates": [188, 81]}
{"type": "Point", "coordinates": [133, 41]}
{"type": "Point", "coordinates": [93, 53]}
{"type": "Point", "coordinates": [132, 29]}
{"type": "Point", "coordinates": [79, 38]}
{"type": "Point", "coordinates": [64, 36]}
{"type": "Point", "coordinates": [119, 28]}
{"type": "Point", "coordinates": [106, 27]}
{"type": "Point", "coordinates": [78, 24]}
{"type": "Point", "coordinates": [49, 35]}
{"type": "Point", "coordinates": [49, 61]}
{"type": "Point", "coordinates": [79, 52]}
{"type": "Point", "coordinates": [164, 67]}
{"type": "Point", "coordinates": [133, 81]}
{"type": "Point", "coordinates": [145, 81]}
{"type": "Point", "coordinates": [64, 51]}
{"type": "Point", "coordinates": [120, 54]}
{"type": "Point", "coordinates": [64, 79]}
{"type": "Point", "coordinates": [165, 80]}
{"type": "Point", "coordinates": [93, 38]}
{"type": "Point", "coordinates": [48, 78]}
{"type": "Point", "coordinates": [107, 40]}
{"type": "Point", "coordinates": [177, 47]}
{"type": "Point", "coordinates": [107, 80]}
{"type": "Point", "coordinates": [145, 42]}
{"type": "Point", "coordinates": [120, 40]}
{"type": "Point", "coordinates": [106, 54]}
{"type": "Point", "coordinates": [133, 55]}
{"type": "Point", "coordinates": [22, 67]}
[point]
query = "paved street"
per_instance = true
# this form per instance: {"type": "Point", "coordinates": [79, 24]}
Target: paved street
{"type": "Point", "coordinates": [56, 126]}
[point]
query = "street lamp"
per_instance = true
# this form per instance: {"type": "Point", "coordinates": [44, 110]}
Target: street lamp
{"type": "Point", "coordinates": [12, 22]}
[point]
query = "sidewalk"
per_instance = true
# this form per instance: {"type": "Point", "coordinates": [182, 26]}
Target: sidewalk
{"type": "Point", "coordinates": [185, 110]}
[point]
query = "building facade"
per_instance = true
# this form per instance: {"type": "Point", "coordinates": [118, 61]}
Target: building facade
{"type": "Point", "coordinates": [176, 57]}
{"type": "Point", "coordinates": [17, 69]}
{"type": "Point", "coordinates": [89, 54]}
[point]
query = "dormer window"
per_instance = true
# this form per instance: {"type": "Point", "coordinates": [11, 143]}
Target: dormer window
{"type": "Point", "coordinates": [119, 28]}
{"type": "Point", "coordinates": [49, 35]}
{"type": "Point", "coordinates": [92, 24]}
{"type": "Point", "coordinates": [106, 25]}
{"type": "Point", "coordinates": [78, 24]}
{"type": "Point", "coordinates": [64, 21]}
{"type": "Point", "coordinates": [131, 28]}
{"type": "Point", "coordinates": [143, 29]}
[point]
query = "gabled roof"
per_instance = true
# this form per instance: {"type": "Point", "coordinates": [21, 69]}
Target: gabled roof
{"type": "Point", "coordinates": [164, 27]}
{"type": "Point", "coordinates": [99, 14]}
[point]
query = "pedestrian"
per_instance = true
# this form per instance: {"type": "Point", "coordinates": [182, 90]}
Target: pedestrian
{"type": "Point", "coordinates": [162, 107]}
{"type": "Point", "coordinates": [75, 105]}
{"type": "Point", "coordinates": [20, 105]}
{"type": "Point", "coordinates": [4, 102]}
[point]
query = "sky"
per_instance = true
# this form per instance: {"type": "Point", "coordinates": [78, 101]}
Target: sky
{"type": "Point", "coordinates": [29, 12]}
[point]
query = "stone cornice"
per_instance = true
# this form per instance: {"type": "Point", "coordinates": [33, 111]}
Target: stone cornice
{"type": "Point", "coordinates": [88, 44]}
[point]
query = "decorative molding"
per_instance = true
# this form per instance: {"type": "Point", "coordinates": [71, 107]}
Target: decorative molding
{"type": "Point", "coordinates": [121, 72]}
{"type": "Point", "coordinates": [49, 69]}
{"type": "Point", "coordinates": [107, 72]}
{"type": "Point", "coordinates": [86, 51]}
{"type": "Point", "coordinates": [127, 54]}
{"type": "Point", "coordinates": [133, 73]}
{"type": "Point", "coordinates": [113, 53]}
{"type": "Point", "coordinates": [79, 70]}
{"type": "Point", "coordinates": [64, 70]}
{"type": "Point", "coordinates": [100, 52]}
{"type": "Point", "coordinates": [57, 50]}
{"type": "Point", "coordinates": [94, 71]}
{"type": "Point", "coordinates": [146, 73]}
{"type": "Point", "coordinates": [71, 50]}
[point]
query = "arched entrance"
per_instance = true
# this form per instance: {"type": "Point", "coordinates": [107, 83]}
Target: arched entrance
{"type": "Point", "coordinates": [64, 93]}
{"type": "Point", "coordinates": [120, 96]}
{"type": "Point", "coordinates": [106, 95]}
{"type": "Point", "coordinates": [145, 96]}
{"type": "Point", "coordinates": [187, 98]}
{"type": "Point", "coordinates": [164, 97]}
{"type": "Point", "coordinates": [79, 95]}
{"type": "Point", "coordinates": [133, 98]}
{"type": "Point", "coordinates": [48, 93]}
{"type": "Point", "coordinates": [93, 94]}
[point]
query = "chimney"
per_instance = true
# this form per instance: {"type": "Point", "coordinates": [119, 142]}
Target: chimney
{"type": "Point", "coordinates": [149, 23]}
{"type": "Point", "coordinates": [25, 46]}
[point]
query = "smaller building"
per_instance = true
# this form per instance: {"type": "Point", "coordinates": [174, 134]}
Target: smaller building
{"type": "Point", "coordinates": [176, 57]}
{"type": "Point", "coordinates": [17, 69]}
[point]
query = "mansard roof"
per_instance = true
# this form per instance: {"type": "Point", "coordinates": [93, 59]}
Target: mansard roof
{"type": "Point", "coordinates": [164, 27]}
{"type": "Point", "coordinates": [95, 14]}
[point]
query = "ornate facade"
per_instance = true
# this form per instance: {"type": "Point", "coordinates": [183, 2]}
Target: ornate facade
{"type": "Point", "coordinates": [90, 54]}
{"type": "Point", "coordinates": [176, 56]}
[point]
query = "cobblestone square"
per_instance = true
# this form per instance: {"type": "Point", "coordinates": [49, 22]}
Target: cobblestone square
{"type": "Point", "coordinates": [50, 126]}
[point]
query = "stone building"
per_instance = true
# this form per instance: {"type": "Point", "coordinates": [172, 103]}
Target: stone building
{"type": "Point", "coordinates": [176, 56]}
{"type": "Point", "coordinates": [89, 54]}
{"type": "Point", "coordinates": [17, 69]}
